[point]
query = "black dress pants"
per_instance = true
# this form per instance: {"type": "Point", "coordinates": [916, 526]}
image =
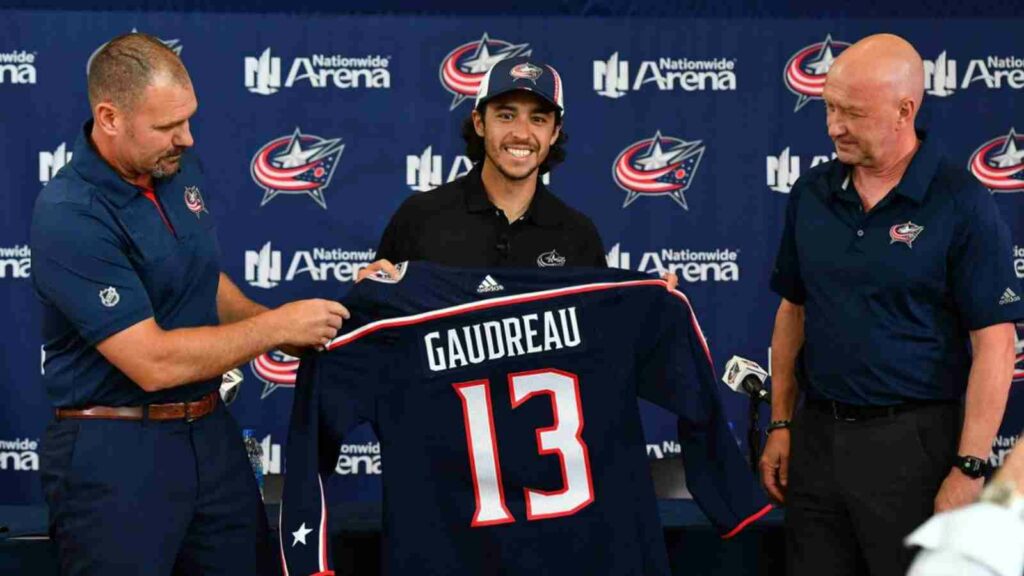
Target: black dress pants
{"type": "Point", "coordinates": [857, 488]}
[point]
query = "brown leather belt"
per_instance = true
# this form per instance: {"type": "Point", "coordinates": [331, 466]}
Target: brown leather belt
{"type": "Point", "coordinates": [188, 411]}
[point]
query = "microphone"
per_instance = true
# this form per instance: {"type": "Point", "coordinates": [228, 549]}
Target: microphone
{"type": "Point", "coordinates": [746, 377]}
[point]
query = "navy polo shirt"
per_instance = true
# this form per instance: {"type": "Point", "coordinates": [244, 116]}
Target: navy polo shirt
{"type": "Point", "coordinates": [104, 259]}
{"type": "Point", "coordinates": [891, 295]}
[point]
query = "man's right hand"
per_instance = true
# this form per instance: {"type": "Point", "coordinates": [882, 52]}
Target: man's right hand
{"type": "Point", "coordinates": [774, 464]}
{"type": "Point", "coordinates": [311, 322]}
{"type": "Point", "coordinates": [377, 266]}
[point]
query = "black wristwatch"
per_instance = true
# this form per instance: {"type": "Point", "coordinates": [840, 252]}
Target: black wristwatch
{"type": "Point", "coordinates": [971, 466]}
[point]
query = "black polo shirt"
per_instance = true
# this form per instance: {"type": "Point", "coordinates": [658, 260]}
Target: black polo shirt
{"type": "Point", "coordinates": [891, 295]}
{"type": "Point", "coordinates": [457, 225]}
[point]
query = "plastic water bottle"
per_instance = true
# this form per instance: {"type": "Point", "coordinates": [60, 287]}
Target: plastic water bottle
{"type": "Point", "coordinates": [255, 452]}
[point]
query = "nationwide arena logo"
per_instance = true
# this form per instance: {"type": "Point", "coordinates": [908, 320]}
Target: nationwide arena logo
{"type": "Point", "coordinates": [19, 455]}
{"type": "Point", "coordinates": [692, 266]}
{"type": "Point", "coordinates": [15, 262]}
{"type": "Point", "coordinates": [263, 72]}
{"type": "Point", "coordinates": [658, 166]}
{"type": "Point", "coordinates": [263, 266]}
{"type": "Point", "coordinates": [51, 162]}
{"type": "Point", "coordinates": [612, 76]}
{"type": "Point", "coordinates": [276, 370]}
{"type": "Point", "coordinates": [296, 164]}
{"type": "Point", "coordinates": [999, 163]}
{"type": "Point", "coordinates": [464, 68]}
{"type": "Point", "coordinates": [784, 170]}
{"type": "Point", "coordinates": [18, 67]}
{"type": "Point", "coordinates": [174, 45]}
{"type": "Point", "coordinates": [941, 77]}
{"type": "Point", "coordinates": [806, 70]}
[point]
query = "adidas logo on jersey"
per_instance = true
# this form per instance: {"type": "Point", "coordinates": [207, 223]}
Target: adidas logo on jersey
{"type": "Point", "coordinates": [489, 284]}
{"type": "Point", "coordinates": [1009, 297]}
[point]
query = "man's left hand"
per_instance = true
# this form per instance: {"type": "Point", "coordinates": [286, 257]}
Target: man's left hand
{"type": "Point", "coordinates": [958, 489]}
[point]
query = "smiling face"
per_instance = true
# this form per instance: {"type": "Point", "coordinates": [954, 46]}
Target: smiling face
{"type": "Point", "coordinates": [518, 130]}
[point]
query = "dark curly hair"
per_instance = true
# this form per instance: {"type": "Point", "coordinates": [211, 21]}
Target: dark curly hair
{"type": "Point", "coordinates": [475, 144]}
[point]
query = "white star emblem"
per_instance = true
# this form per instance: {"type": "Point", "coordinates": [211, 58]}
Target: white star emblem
{"type": "Point", "coordinates": [295, 156]}
{"type": "Point", "coordinates": [300, 535]}
{"type": "Point", "coordinates": [824, 60]}
{"type": "Point", "coordinates": [656, 158]}
{"type": "Point", "coordinates": [1010, 156]}
{"type": "Point", "coordinates": [482, 61]}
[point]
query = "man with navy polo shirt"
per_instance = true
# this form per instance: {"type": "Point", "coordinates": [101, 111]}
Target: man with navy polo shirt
{"type": "Point", "coordinates": [143, 468]}
{"type": "Point", "coordinates": [896, 321]}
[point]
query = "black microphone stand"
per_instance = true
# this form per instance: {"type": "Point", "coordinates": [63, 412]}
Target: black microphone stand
{"type": "Point", "coordinates": [754, 432]}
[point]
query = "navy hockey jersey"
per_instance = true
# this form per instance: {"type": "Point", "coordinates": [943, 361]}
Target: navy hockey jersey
{"type": "Point", "coordinates": [505, 404]}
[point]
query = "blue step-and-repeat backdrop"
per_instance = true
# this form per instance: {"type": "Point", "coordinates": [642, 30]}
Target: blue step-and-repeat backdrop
{"type": "Point", "coordinates": [733, 105]}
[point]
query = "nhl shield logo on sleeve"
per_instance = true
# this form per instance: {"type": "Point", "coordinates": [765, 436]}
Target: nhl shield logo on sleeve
{"type": "Point", "coordinates": [109, 297]}
{"type": "Point", "coordinates": [905, 233]}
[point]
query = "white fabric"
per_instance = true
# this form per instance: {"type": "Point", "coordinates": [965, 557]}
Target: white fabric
{"type": "Point", "coordinates": [982, 539]}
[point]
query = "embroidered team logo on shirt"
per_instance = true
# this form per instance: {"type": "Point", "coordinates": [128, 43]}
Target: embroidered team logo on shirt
{"type": "Point", "coordinates": [905, 233]}
{"type": "Point", "coordinates": [194, 200]}
{"type": "Point", "coordinates": [549, 259]}
{"type": "Point", "coordinates": [109, 297]}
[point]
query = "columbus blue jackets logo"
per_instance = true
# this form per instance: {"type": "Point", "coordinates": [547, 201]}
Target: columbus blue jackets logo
{"type": "Point", "coordinates": [658, 166]}
{"type": "Point", "coordinates": [464, 68]}
{"type": "Point", "coordinates": [526, 71]}
{"type": "Point", "coordinates": [806, 70]}
{"type": "Point", "coordinates": [296, 164]}
{"type": "Point", "coordinates": [905, 233]}
{"type": "Point", "coordinates": [194, 200]}
{"type": "Point", "coordinates": [999, 163]}
{"type": "Point", "coordinates": [275, 369]}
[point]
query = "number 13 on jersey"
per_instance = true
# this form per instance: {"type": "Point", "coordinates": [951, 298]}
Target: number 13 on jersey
{"type": "Point", "coordinates": [563, 439]}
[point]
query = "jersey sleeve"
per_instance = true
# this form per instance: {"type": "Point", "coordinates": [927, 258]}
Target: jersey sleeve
{"type": "Point", "coordinates": [678, 374]}
{"type": "Point", "coordinates": [985, 287]}
{"type": "Point", "coordinates": [80, 266]}
{"type": "Point", "coordinates": [332, 396]}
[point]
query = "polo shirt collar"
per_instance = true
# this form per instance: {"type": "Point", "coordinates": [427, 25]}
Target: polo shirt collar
{"type": "Point", "coordinates": [915, 181]}
{"type": "Point", "coordinates": [96, 171]}
{"type": "Point", "coordinates": [543, 209]}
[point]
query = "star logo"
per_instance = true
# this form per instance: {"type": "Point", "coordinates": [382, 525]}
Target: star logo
{"type": "Point", "coordinates": [194, 200]}
{"type": "Point", "coordinates": [806, 70]}
{"type": "Point", "coordinates": [658, 166]}
{"type": "Point", "coordinates": [999, 163]}
{"type": "Point", "coordinates": [463, 69]}
{"type": "Point", "coordinates": [905, 233]}
{"type": "Point", "coordinates": [526, 71]}
{"type": "Point", "coordinates": [296, 164]}
{"type": "Point", "coordinates": [300, 535]}
{"type": "Point", "coordinates": [276, 370]}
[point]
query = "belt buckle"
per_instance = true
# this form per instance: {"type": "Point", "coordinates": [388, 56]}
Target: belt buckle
{"type": "Point", "coordinates": [835, 413]}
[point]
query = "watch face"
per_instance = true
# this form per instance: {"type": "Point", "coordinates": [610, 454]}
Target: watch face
{"type": "Point", "coordinates": [970, 466]}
